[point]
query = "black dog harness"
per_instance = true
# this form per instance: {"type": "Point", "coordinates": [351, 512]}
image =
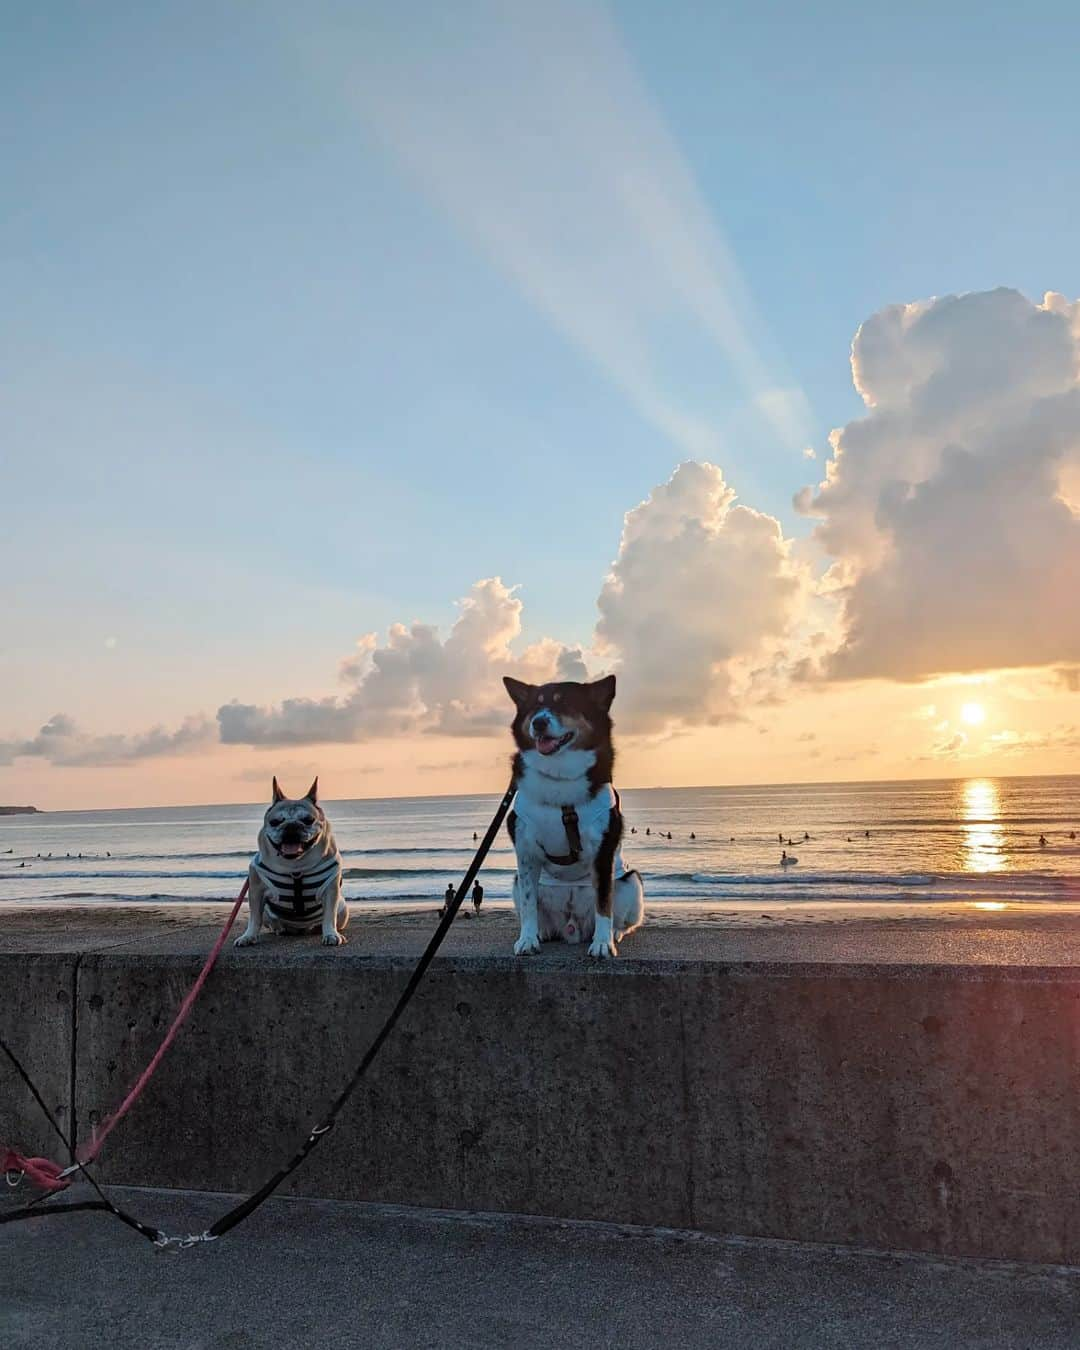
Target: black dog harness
{"type": "Point", "coordinates": [573, 837]}
{"type": "Point", "coordinates": [572, 826]}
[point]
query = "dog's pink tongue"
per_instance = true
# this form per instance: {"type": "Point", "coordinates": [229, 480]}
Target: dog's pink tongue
{"type": "Point", "coordinates": [291, 850]}
{"type": "Point", "coordinates": [546, 744]}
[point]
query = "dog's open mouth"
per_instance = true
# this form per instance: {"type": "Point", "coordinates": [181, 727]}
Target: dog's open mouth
{"type": "Point", "coordinates": [292, 848]}
{"type": "Point", "coordinates": [548, 745]}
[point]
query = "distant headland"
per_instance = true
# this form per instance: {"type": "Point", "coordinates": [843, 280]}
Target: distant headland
{"type": "Point", "coordinates": [19, 811]}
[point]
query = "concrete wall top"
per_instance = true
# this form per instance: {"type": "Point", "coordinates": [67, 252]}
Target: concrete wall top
{"type": "Point", "coordinates": [939, 937]}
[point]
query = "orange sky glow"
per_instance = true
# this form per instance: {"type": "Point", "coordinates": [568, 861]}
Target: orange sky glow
{"type": "Point", "coordinates": [871, 731]}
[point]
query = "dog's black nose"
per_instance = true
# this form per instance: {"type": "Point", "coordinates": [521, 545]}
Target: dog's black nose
{"type": "Point", "coordinates": [540, 725]}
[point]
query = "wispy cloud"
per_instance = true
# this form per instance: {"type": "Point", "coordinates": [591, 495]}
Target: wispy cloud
{"type": "Point", "coordinates": [290, 772]}
{"type": "Point", "coordinates": [1061, 737]}
{"type": "Point", "coordinates": [953, 746]}
{"type": "Point", "coordinates": [459, 764]}
{"type": "Point", "coordinates": [60, 741]}
{"type": "Point", "coordinates": [530, 127]}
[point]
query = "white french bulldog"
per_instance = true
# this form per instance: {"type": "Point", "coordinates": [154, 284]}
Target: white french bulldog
{"type": "Point", "coordinates": [294, 881]}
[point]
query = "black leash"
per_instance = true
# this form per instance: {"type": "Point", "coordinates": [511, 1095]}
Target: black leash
{"type": "Point", "coordinates": [246, 1207]}
{"type": "Point", "coordinates": [38, 1207]}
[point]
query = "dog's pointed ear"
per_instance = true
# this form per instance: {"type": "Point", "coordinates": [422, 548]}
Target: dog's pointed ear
{"type": "Point", "coordinates": [312, 793]}
{"type": "Point", "coordinates": [518, 690]}
{"type": "Point", "coordinates": [277, 794]}
{"type": "Point", "coordinates": [603, 691]}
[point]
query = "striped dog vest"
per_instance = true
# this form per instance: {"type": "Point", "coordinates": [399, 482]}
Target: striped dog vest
{"type": "Point", "coordinates": [292, 896]}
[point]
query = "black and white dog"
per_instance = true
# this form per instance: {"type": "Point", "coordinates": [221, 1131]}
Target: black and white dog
{"type": "Point", "coordinates": [294, 881]}
{"type": "Point", "coordinates": [566, 825]}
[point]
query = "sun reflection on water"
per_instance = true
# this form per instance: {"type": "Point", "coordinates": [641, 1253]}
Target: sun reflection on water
{"type": "Point", "coordinates": [982, 836]}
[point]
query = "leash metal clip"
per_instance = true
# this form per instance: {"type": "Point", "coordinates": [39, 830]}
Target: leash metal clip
{"type": "Point", "coordinates": [13, 1176]}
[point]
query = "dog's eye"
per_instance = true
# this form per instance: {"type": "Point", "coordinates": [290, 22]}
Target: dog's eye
{"type": "Point", "coordinates": [556, 698]}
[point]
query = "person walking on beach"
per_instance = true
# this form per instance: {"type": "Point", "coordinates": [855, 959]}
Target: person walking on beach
{"type": "Point", "coordinates": [448, 900]}
{"type": "Point", "coordinates": [477, 897]}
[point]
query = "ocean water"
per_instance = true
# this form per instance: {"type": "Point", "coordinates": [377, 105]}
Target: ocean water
{"type": "Point", "coordinates": [974, 840]}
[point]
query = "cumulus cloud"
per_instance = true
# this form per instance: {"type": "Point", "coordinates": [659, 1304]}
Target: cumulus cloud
{"type": "Point", "coordinates": [60, 741]}
{"type": "Point", "coordinates": [949, 508]}
{"type": "Point", "coordinates": [416, 681]}
{"type": "Point", "coordinates": [698, 590]}
{"type": "Point", "coordinates": [950, 512]}
{"type": "Point", "coordinates": [699, 587]}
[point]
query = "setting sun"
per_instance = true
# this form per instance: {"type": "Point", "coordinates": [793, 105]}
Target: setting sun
{"type": "Point", "coordinates": [973, 714]}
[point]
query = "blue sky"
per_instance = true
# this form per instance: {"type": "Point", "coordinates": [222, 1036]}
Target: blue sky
{"type": "Point", "coordinates": [276, 374]}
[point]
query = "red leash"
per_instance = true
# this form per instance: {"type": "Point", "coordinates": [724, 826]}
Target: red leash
{"type": "Point", "coordinates": [40, 1172]}
{"type": "Point", "coordinates": [89, 1152]}
{"type": "Point", "coordinates": [49, 1176]}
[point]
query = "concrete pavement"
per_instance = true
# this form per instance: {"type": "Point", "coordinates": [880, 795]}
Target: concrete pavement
{"type": "Point", "coordinates": [306, 1272]}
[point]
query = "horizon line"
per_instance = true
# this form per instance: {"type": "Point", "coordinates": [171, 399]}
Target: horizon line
{"type": "Point", "coordinates": [651, 787]}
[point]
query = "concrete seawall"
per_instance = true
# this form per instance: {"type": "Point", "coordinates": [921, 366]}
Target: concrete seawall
{"type": "Point", "coordinates": [810, 1082]}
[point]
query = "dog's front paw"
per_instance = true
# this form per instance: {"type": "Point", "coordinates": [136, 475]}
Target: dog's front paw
{"type": "Point", "coordinates": [528, 943]}
{"type": "Point", "coordinates": [334, 939]}
{"type": "Point", "coordinates": [246, 940]}
{"type": "Point", "coordinates": [601, 948]}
